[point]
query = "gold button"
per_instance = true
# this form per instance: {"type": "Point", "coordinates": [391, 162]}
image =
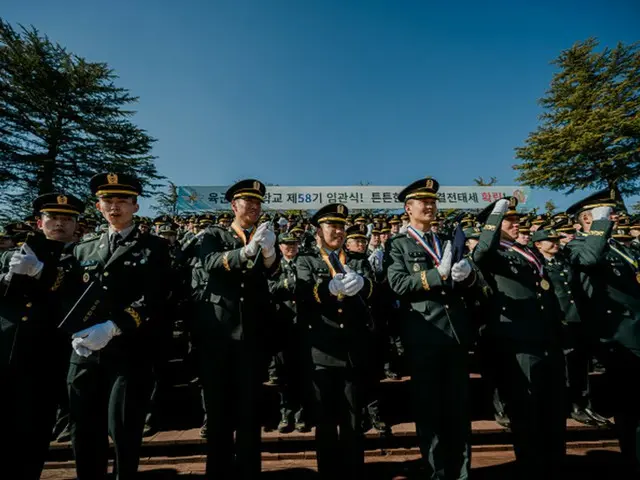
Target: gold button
{"type": "Point", "coordinates": [106, 274]}
{"type": "Point", "coordinates": [339, 310]}
{"type": "Point", "coordinates": [241, 299]}
{"type": "Point", "coordinates": [293, 301]}
{"type": "Point", "coordinates": [105, 288]}
{"type": "Point", "coordinates": [29, 305]}
{"type": "Point", "coordinates": [242, 285]}
{"type": "Point", "coordinates": [25, 318]}
{"type": "Point", "coordinates": [342, 325]}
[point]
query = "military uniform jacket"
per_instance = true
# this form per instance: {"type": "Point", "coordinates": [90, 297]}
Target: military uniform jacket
{"type": "Point", "coordinates": [566, 285]}
{"type": "Point", "coordinates": [335, 330]}
{"type": "Point", "coordinates": [135, 286]}
{"type": "Point", "coordinates": [520, 310]}
{"type": "Point", "coordinates": [236, 296]}
{"type": "Point", "coordinates": [31, 311]}
{"type": "Point", "coordinates": [611, 284]}
{"type": "Point", "coordinates": [435, 312]}
{"type": "Point", "coordinates": [282, 287]}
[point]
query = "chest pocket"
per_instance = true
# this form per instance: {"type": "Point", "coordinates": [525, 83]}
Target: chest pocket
{"type": "Point", "coordinates": [417, 261]}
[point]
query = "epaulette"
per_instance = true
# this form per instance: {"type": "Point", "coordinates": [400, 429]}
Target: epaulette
{"type": "Point", "coordinates": [89, 240]}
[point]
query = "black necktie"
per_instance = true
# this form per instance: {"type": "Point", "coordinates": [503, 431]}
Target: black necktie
{"type": "Point", "coordinates": [114, 242]}
{"type": "Point", "coordinates": [247, 235]}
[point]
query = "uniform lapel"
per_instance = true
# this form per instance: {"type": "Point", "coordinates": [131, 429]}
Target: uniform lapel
{"type": "Point", "coordinates": [126, 245]}
{"type": "Point", "coordinates": [103, 248]}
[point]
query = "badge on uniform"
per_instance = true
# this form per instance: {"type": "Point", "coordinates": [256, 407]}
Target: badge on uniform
{"type": "Point", "coordinates": [616, 271]}
{"type": "Point", "coordinates": [514, 269]}
{"type": "Point", "coordinates": [86, 277]}
{"type": "Point", "coordinates": [416, 267]}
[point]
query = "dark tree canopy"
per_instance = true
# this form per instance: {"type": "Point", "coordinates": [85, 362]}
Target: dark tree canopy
{"type": "Point", "coordinates": [589, 132]}
{"type": "Point", "coordinates": [62, 119]}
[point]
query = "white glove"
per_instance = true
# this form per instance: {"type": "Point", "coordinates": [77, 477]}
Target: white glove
{"type": "Point", "coordinates": [336, 285]}
{"type": "Point", "coordinates": [200, 233]}
{"type": "Point", "coordinates": [79, 349]}
{"type": "Point", "coordinates": [268, 242]}
{"type": "Point", "coordinates": [25, 262]}
{"type": "Point", "coordinates": [461, 270]}
{"type": "Point", "coordinates": [500, 207]}
{"type": "Point", "coordinates": [445, 264]}
{"type": "Point", "coordinates": [375, 259]}
{"type": "Point", "coordinates": [601, 213]}
{"type": "Point", "coordinates": [95, 337]}
{"type": "Point", "coordinates": [352, 282]}
{"type": "Point", "coordinates": [251, 249]}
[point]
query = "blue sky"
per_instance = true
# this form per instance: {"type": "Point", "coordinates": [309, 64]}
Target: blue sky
{"type": "Point", "coordinates": [332, 92]}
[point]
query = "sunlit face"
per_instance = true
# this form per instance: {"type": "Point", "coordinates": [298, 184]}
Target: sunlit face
{"type": "Point", "coordinates": [374, 242]}
{"type": "Point", "coordinates": [247, 210]}
{"type": "Point", "coordinates": [585, 219]}
{"type": "Point", "coordinates": [395, 228]}
{"type": "Point", "coordinates": [356, 245]}
{"type": "Point", "coordinates": [510, 227]}
{"type": "Point", "coordinates": [435, 228]}
{"type": "Point", "coordinates": [57, 226]}
{"type": "Point", "coordinates": [548, 247]}
{"type": "Point", "coordinates": [524, 238]}
{"type": "Point", "coordinates": [634, 232]}
{"type": "Point", "coordinates": [331, 235]}
{"type": "Point", "coordinates": [118, 211]}
{"type": "Point", "coordinates": [421, 210]}
{"type": "Point", "coordinates": [289, 250]}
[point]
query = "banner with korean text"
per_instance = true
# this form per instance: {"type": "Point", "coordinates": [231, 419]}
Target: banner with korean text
{"type": "Point", "coordinates": [202, 198]}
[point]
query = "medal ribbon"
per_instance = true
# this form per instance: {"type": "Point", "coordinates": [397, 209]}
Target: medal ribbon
{"type": "Point", "coordinates": [325, 256]}
{"type": "Point", "coordinates": [435, 252]}
{"type": "Point", "coordinates": [529, 256]}
{"type": "Point", "coordinates": [240, 232]}
{"type": "Point", "coordinates": [627, 258]}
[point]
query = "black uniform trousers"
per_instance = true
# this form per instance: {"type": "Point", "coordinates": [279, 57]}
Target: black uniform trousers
{"type": "Point", "coordinates": [230, 374]}
{"type": "Point", "coordinates": [577, 359]}
{"type": "Point", "coordinates": [623, 372]}
{"type": "Point", "coordinates": [105, 400]}
{"type": "Point", "coordinates": [29, 397]}
{"type": "Point", "coordinates": [531, 381]}
{"type": "Point", "coordinates": [290, 366]}
{"type": "Point", "coordinates": [440, 394]}
{"type": "Point", "coordinates": [336, 403]}
{"type": "Point", "coordinates": [29, 404]}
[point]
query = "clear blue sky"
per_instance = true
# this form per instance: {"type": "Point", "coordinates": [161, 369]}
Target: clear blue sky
{"type": "Point", "coordinates": [332, 92]}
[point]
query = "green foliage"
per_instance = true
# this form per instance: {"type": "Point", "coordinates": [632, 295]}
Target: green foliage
{"type": "Point", "coordinates": [550, 206]}
{"type": "Point", "coordinates": [481, 182]}
{"type": "Point", "coordinates": [167, 203]}
{"type": "Point", "coordinates": [636, 207]}
{"type": "Point", "coordinates": [589, 132]}
{"type": "Point", "coordinates": [62, 119]}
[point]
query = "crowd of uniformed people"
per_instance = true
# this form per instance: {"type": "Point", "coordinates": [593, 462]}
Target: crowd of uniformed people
{"type": "Point", "coordinates": [323, 308]}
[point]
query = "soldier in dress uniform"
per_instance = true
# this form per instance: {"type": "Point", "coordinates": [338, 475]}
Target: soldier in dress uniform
{"type": "Point", "coordinates": [610, 276]}
{"type": "Point", "coordinates": [282, 287]}
{"type": "Point", "coordinates": [34, 353]}
{"type": "Point", "coordinates": [228, 329]}
{"type": "Point", "coordinates": [124, 273]}
{"type": "Point", "coordinates": [436, 332]}
{"type": "Point", "coordinates": [395, 223]}
{"type": "Point", "coordinates": [524, 332]}
{"type": "Point", "coordinates": [225, 219]}
{"type": "Point", "coordinates": [573, 303]}
{"type": "Point", "coordinates": [334, 288]}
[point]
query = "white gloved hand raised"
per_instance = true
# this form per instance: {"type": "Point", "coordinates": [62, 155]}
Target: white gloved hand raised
{"type": "Point", "coordinates": [25, 262]}
{"type": "Point", "coordinates": [267, 242]}
{"type": "Point", "coordinates": [445, 264]}
{"type": "Point", "coordinates": [352, 282]}
{"type": "Point", "coordinates": [336, 285]}
{"type": "Point", "coordinates": [461, 270]}
{"type": "Point", "coordinates": [601, 213]}
{"type": "Point", "coordinates": [251, 249]}
{"type": "Point", "coordinates": [375, 260]}
{"type": "Point", "coordinates": [500, 207]}
{"type": "Point", "coordinates": [95, 337]}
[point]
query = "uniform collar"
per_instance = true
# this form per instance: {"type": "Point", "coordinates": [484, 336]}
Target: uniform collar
{"type": "Point", "coordinates": [123, 233]}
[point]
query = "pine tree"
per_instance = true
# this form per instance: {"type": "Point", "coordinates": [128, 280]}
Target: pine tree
{"type": "Point", "coordinates": [589, 132]}
{"type": "Point", "coordinates": [167, 203]}
{"type": "Point", "coordinates": [62, 120]}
